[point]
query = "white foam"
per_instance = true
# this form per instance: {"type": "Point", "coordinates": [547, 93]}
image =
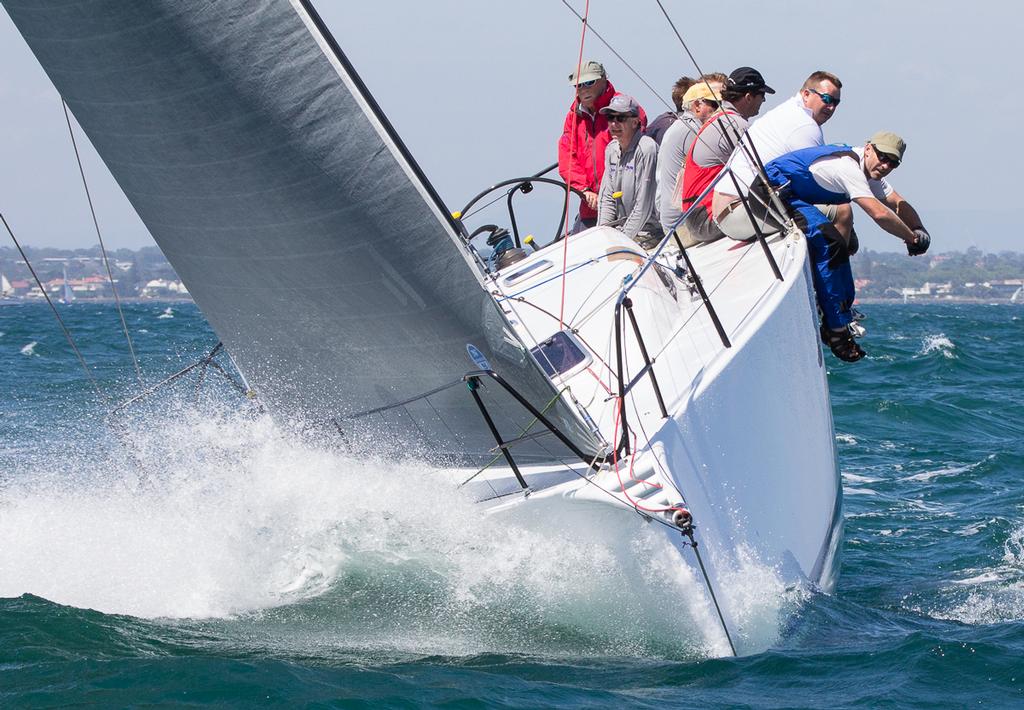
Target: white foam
{"type": "Point", "coordinates": [939, 473]}
{"type": "Point", "coordinates": [845, 439]}
{"type": "Point", "coordinates": [938, 343]}
{"type": "Point", "coordinates": [857, 478]}
{"type": "Point", "coordinates": [168, 313]}
{"type": "Point", "coordinates": [983, 578]}
{"type": "Point", "coordinates": [228, 516]}
{"type": "Point", "coordinates": [988, 596]}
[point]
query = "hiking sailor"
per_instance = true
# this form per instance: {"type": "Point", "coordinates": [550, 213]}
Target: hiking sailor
{"type": "Point", "coordinates": [837, 175]}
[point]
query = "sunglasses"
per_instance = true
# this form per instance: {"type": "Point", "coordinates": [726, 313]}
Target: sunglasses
{"type": "Point", "coordinates": [617, 118]}
{"type": "Point", "coordinates": [586, 84]}
{"type": "Point", "coordinates": [827, 99]}
{"type": "Point", "coordinates": [709, 102]}
{"type": "Point", "coordinates": [891, 160]}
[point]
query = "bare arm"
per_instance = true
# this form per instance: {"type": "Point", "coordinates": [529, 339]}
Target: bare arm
{"type": "Point", "coordinates": [904, 210]}
{"type": "Point", "coordinates": [886, 218]}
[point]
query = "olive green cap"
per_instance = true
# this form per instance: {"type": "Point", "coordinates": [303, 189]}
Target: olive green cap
{"type": "Point", "coordinates": [889, 143]}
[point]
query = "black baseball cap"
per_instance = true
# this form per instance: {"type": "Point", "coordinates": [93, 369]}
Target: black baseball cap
{"type": "Point", "coordinates": [748, 80]}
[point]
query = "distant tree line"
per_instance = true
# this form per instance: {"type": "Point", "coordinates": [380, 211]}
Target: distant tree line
{"type": "Point", "coordinates": [888, 271]}
{"type": "Point", "coordinates": [132, 268]}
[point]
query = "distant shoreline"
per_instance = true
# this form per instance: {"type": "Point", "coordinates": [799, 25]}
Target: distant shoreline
{"type": "Point", "coordinates": [939, 301]}
{"type": "Point", "coordinates": [124, 299]}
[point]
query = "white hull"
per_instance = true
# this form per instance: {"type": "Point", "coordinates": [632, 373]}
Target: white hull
{"type": "Point", "coordinates": [749, 445]}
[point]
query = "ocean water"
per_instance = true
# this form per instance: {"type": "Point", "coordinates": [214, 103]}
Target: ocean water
{"type": "Point", "coordinates": [187, 551]}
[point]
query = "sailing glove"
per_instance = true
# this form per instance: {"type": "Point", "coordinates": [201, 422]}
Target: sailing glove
{"type": "Point", "coordinates": [920, 246]}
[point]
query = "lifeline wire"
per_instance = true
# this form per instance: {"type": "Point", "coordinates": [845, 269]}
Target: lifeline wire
{"type": "Point", "coordinates": [103, 249]}
{"type": "Point", "coordinates": [60, 321]}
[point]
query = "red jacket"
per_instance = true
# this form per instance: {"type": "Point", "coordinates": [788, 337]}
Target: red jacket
{"type": "Point", "coordinates": [581, 151]}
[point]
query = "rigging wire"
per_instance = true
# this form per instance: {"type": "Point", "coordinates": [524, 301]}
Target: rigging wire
{"type": "Point", "coordinates": [748, 147]}
{"type": "Point", "coordinates": [56, 313]}
{"type": "Point", "coordinates": [572, 152]}
{"type": "Point", "coordinates": [687, 530]}
{"type": "Point", "coordinates": [103, 248]}
{"type": "Point", "coordinates": [619, 57]}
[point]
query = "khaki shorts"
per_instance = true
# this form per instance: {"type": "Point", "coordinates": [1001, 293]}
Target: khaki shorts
{"type": "Point", "coordinates": [830, 211]}
{"type": "Point", "coordinates": [736, 223]}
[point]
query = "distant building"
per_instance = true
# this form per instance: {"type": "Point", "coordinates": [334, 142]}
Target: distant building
{"type": "Point", "coordinates": [162, 288]}
{"type": "Point", "coordinates": [929, 290]}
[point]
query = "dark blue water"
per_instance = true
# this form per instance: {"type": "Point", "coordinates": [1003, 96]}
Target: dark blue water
{"type": "Point", "coordinates": [190, 552]}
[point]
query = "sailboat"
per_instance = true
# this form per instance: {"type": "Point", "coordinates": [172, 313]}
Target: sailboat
{"type": "Point", "coordinates": [67, 295]}
{"type": "Point", "coordinates": [6, 291]}
{"type": "Point", "coordinates": [585, 380]}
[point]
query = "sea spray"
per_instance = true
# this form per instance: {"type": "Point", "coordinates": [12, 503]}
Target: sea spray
{"type": "Point", "coordinates": [198, 514]}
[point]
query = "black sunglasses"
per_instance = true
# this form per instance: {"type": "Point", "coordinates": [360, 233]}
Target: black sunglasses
{"type": "Point", "coordinates": [709, 102]}
{"type": "Point", "coordinates": [586, 84]}
{"type": "Point", "coordinates": [617, 117]}
{"type": "Point", "coordinates": [892, 160]}
{"type": "Point", "coordinates": [827, 99]}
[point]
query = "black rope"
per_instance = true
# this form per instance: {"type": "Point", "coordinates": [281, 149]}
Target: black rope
{"type": "Point", "coordinates": [619, 57]}
{"type": "Point", "coordinates": [60, 321]}
{"type": "Point", "coordinates": [103, 248]}
{"type": "Point", "coordinates": [688, 532]}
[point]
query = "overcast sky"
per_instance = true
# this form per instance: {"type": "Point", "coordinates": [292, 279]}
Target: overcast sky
{"type": "Point", "coordinates": [478, 90]}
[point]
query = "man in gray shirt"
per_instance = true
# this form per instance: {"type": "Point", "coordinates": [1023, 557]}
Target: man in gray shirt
{"type": "Point", "coordinates": [626, 197]}
{"type": "Point", "coordinates": [742, 98]}
{"type": "Point", "coordinates": [698, 104]}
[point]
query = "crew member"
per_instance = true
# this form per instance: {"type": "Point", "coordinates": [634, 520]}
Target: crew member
{"type": "Point", "coordinates": [790, 126]}
{"type": "Point", "coordinates": [699, 101]}
{"type": "Point", "coordinates": [835, 175]}
{"type": "Point", "coordinates": [626, 199]}
{"type": "Point", "coordinates": [742, 97]}
{"type": "Point", "coordinates": [585, 137]}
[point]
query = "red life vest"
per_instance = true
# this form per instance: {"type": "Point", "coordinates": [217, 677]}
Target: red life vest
{"type": "Point", "coordinates": [695, 177]}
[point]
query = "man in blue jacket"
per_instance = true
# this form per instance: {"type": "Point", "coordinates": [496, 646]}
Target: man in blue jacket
{"type": "Point", "coordinates": [835, 175]}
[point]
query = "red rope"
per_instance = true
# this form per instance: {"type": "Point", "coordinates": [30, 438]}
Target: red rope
{"type": "Point", "coordinates": [572, 155]}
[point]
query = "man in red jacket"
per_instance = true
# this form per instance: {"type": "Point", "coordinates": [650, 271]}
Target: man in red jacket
{"type": "Point", "coordinates": [585, 137]}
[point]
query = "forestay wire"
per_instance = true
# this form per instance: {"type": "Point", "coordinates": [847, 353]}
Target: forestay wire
{"type": "Point", "coordinates": [103, 249]}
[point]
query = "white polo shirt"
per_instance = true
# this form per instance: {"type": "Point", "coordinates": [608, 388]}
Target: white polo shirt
{"type": "Point", "coordinates": [842, 174]}
{"type": "Point", "coordinates": [785, 128]}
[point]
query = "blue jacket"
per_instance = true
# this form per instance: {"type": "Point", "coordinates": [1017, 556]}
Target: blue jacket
{"type": "Point", "coordinates": [795, 168]}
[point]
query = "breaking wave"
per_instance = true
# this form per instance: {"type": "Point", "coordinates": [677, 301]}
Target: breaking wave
{"type": "Point", "coordinates": [938, 343]}
{"type": "Point", "coordinates": [233, 520]}
{"type": "Point", "coordinates": [988, 595]}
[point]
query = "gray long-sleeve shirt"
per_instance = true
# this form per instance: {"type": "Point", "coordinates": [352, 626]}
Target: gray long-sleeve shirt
{"type": "Point", "coordinates": [633, 173]}
{"type": "Point", "coordinates": [671, 157]}
{"type": "Point", "coordinates": [720, 137]}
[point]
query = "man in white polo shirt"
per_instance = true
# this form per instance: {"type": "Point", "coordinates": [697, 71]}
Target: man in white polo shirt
{"type": "Point", "coordinates": [837, 175]}
{"type": "Point", "coordinates": [792, 125]}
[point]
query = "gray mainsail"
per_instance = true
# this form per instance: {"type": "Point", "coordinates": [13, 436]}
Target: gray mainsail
{"type": "Point", "coordinates": [319, 254]}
